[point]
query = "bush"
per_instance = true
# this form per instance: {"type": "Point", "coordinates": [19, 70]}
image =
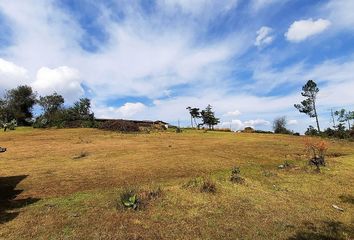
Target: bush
{"type": "Point", "coordinates": [279, 126]}
{"type": "Point", "coordinates": [129, 199]}
{"type": "Point", "coordinates": [311, 131]}
{"type": "Point", "coordinates": [133, 199]}
{"type": "Point", "coordinates": [235, 176]}
{"type": "Point", "coordinates": [202, 184]}
{"type": "Point", "coordinates": [317, 151]}
{"type": "Point", "coordinates": [120, 126]}
{"type": "Point", "coordinates": [208, 186]}
{"type": "Point", "coordinates": [10, 125]}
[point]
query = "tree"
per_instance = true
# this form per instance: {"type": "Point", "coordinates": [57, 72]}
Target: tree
{"type": "Point", "coordinates": [279, 125]}
{"type": "Point", "coordinates": [344, 116]}
{"type": "Point", "coordinates": [308, 106]}
{"type": "Point", "coordinates": [51, 103]}
{"type": "Point", "coordinates": [208, 117]}
{"type": "Point", "coordinates": [52, 106]}
{"type": "Point", "coordinates": [194, 112]}
{"type": "Point", "coordinates": [81, 110]}
{"type": "Point", "coordinates": [18, 104]}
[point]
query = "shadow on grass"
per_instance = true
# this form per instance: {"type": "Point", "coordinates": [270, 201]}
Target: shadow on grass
{"type": "Point", "coordinates": [347, 198]}
{"type": "Point", "coordinates": [8, 194]}
{"type": "Point", "coordinates": [328, 230]}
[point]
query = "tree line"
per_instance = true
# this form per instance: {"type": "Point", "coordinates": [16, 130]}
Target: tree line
{"type": "Point", "coordinates": [17, 107]}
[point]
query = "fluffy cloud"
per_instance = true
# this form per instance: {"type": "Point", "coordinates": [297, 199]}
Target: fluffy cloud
{"type": "Point", "coordinates": [126, 111]}
{"type": "Point", "coordinates": [174, 61]}
{"type": "Point", "coordinates": [292, 122]}
{"type": "Point", "coordinates": [130, 109]}
{"type": "Point", "coordinates": [303, 29]}
{"type": "Point", "coordinates": [257, 122]}
{"type": "Point", "coordinates": [237, 124]}
{"type": "Point", "coordinates": [264, 36]}
{"type": "Point", "coordinates": [11, 75]}
{"type": "Point", "coordinates": [63, 80]}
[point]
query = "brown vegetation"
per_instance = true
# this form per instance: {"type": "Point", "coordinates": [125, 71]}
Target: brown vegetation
{"type": "Point", "coordinates": [64, 199]}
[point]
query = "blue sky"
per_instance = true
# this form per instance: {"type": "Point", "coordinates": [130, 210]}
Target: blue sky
{"type": "Point", "coordinates": [150, 59]}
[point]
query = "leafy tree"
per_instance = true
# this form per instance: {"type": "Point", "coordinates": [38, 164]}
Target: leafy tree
{"type": "Point", "coordinates": [208, 117]}
{"type": "Point", "coordinates": [311, 131]}
{"type": "Point", "coordinates": [279, 125]}
{"type": "Point", "coordinates": [18, 104]}
{"type": "Point", "coordinates": [344, 116]}
{"type": "Point", "coordinates": [81, 110]}
{"type": "Point", "coordinates": [194, 112]}
{"type": "Point", "coordinates": [51, 103]}
{"type": "Point", "coordinates": [4, 111]}
{"type": "Point", "coordinates": [53, 110]}
{"type": "Point", "coordinates": [308, 106]}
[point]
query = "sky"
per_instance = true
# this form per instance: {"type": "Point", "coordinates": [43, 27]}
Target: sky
{"type": "Point", "coordinates": [150, 59]}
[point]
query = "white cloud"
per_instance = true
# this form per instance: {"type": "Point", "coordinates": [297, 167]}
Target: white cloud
{"type": "Point", "coordinates": [63, 80]}
{"type": "Point", "coordinates": [126, 111]}
{"type": "Point", "coordinates": [340, 12]}
{"type": "Point", "coordinates": [197, 7]}
{"type": "Point", "coordinates": [264, 36]}
{"type": "Point", "coordinates": [142, 56]}
{"type": "Point", "coordinates": [237, 124]}
{"type": "Point", "coordinates": [292, 122]}
{"type": "Point", "coordinates": [233, 113]}
{"type": "Point", "coordinates": [303, 29]}
{"type": "Point", "coordinates": [130, 109]}
{"type": "Point", "coordinates": [256, 122]}
{"type": "Point", "coordinates": [257, 5]}
{"type": "Point", "coordinates": [11, 75]}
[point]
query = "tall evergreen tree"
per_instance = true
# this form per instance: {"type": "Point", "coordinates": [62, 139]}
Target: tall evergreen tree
{"type": "Point", "coordinates": [208, 117]}
{"type": "Point", "coordinates": [308, 106]}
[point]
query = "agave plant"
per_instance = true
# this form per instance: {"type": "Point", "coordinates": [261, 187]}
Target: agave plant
{"type": "Point", "coordinates": [129, 200]}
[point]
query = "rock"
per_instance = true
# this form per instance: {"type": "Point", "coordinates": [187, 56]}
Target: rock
{"type": "Point", "coordinates": [338, 208]}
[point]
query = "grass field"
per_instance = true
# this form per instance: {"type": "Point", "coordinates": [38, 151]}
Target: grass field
{"type": "Point", "coordinates": [66, 183]}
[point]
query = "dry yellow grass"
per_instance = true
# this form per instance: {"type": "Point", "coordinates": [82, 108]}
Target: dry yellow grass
{"type": "Point", "coordinates": [71, 179]}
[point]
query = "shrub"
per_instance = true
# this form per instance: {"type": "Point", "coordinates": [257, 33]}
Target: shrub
{"type": "Point", "coordinates": [202, 184]}
{"type": "Point", "coordinates": [311, 131]}
{"type": "Point", "coordinates": [133, 199]}
{"type": "Point", "coordinates": [129, 199]}
{"type": "Point", "coordinates": [279, 126]}
{"type": "Point", "coordinates": [10, 125]}
{"type": "Point", "coordinates": [235, 176]}
{"type": "Point", "coordinates": [120, 126]}
{"type": "Point", "coordinates": [317, 151]}
{"type": "Point", "coordinates": [146, 196]}
{"type": "Point", "coordinates": [248, 130]}
{"type": "Point", "coordinates": [208, 186]}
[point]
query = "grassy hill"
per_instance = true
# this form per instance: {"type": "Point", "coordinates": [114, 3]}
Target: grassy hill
{"type": "Point", "coordinates": [66, 184]}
